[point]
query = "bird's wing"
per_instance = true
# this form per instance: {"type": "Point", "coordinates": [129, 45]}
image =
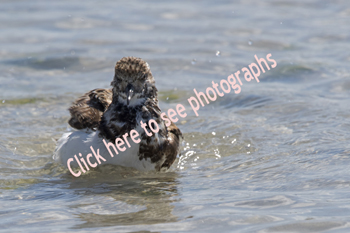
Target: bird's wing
{"type": "Point", "coordinates": [87, 110]}
{"type": "Point", "coordinates": [173, 145]}
{"type": "Point", "coordinates": [162, 148]}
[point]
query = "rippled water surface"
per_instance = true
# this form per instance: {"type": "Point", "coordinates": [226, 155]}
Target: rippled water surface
{"type": "Point", "coordinates": [273, 158]}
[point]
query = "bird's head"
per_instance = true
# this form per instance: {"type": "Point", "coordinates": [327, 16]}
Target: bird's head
{"type": "Point", "coordinates": [133, 81]}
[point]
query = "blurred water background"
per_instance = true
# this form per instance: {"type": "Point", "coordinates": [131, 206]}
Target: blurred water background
{"type": "Point", "coordinates": [274, 158]}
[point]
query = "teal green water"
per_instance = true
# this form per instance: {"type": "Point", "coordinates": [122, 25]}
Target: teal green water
{"type": "Point", "coordinates": [273, 158]}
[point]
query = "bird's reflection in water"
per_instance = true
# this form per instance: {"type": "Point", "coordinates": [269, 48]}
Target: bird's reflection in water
{"type": "Point", "coordinates": [111, 196]}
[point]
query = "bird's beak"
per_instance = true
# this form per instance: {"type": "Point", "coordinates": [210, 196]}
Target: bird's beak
{"type": "Point", "coordinates": [129, 90]}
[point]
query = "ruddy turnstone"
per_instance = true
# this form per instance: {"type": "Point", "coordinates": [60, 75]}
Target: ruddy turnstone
{"type": "Point", "coordinates": [104, 115]}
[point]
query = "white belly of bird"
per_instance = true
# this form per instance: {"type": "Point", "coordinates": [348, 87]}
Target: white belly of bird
{"type": "Point", "coordinates": [71, 144]}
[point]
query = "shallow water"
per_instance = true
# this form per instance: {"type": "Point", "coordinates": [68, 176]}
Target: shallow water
{"type": "Point", "coordinates": [273, 158]}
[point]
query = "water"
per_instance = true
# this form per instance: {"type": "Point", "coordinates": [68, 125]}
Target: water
{"type": "Point", "coordinates": [273, 158]}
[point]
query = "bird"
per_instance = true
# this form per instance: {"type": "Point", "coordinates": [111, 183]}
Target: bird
{"type": "Point", "coordinates": [101, 116]}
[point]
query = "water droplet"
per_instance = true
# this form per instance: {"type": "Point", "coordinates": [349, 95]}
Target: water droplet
{"type": "Point", "coordinates": [248, 145]}
{"type": "Point", "coordinates": [193, 62]}
{"type": "Point", "coordinates": [233, 141]}
{"type": "Point", "coordinates": [213, 133]}
{"type": "Point", "coordinates": [280, 22]}
{"type": "Point", "coordinates": [217, 53]}
{"type": "Point", "coordinates": [167, 98]}
{"type": "Point", "coordinates": [250, 42]}
{"type": "Point", "coordinates": [3, 101]}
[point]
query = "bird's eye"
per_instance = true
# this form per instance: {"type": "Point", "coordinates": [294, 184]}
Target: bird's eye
{"type": "Point", "coordinates": [144, 77]}
{"type": "Point", "coordinates": [118, 79]}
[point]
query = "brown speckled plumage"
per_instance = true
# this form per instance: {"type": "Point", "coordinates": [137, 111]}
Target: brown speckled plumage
{"type": "Point", "coordinates": [109, 112]}
{"type": "Point", "coordinates": [87, 110]}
